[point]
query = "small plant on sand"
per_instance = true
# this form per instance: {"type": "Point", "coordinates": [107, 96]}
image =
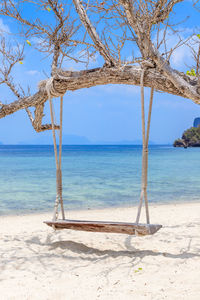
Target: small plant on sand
{"type": "Point", "coordinates": [138, 270]}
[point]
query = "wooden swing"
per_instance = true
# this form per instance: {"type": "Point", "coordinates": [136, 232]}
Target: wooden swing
{"type": "Point", "coordinates": [105, 226]}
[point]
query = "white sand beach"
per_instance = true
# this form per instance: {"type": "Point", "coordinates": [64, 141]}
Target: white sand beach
{"type": "Point", "coordinates": [38, 263]}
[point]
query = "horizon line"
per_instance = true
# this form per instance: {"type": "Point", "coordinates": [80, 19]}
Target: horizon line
{"type": "Point", "coordinates": [154, 144]}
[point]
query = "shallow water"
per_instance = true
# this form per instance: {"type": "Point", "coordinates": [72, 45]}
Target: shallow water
{"type": "Point", "coordinates": [95, 176]}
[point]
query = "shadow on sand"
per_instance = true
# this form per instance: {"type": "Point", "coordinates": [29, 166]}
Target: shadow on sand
{"type": "Point", "coordinates": [89, 252]}
{"type": "Point", "coordinates": [80, 248]}
{"type": "Point", "coordinates": [48, 252]}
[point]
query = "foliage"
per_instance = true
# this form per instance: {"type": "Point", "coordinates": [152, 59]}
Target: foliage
{"type": "Point", "coordinates": [191, 73]}
{"type": "Point", "coordinates": [28, 42]}
{"type": "Point", "coordinates": [190, 138]}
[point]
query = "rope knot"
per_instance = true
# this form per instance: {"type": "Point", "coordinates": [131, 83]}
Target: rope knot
{"type": "Point", "coordinates": [48, 87]}
{"type": "Point", "coordinates": [145, 64]}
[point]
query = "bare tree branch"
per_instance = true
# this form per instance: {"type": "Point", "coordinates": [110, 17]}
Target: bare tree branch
{"type": "Point", "coordinates": [123, 24]}
{"type": "Point", "coordinates": [130, 75]}
{"type": "Point", "coordinates": [93, 34]}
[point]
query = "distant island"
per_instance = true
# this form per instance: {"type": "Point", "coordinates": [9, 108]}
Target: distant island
{"type": "Point", "coordinates": [190, 137]}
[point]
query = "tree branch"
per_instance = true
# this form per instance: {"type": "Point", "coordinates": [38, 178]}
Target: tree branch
{"type": "Point", "coordinates": [93, 34]}
{"type": "Point", "coordinates": [37, 123]}
{"type": "Point", "coordinates": [148, 50]}
{"type": "Point", "coordinates": [129, 75]}
{"type": "Point", "coordinates": [163, 9]}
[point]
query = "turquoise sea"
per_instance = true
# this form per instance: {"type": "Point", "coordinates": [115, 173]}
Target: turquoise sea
{"type": "Point", "coordinates": [95, 176]}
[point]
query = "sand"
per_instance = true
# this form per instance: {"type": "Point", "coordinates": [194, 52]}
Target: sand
{"type": "Point", "coordinates": [38, 263]}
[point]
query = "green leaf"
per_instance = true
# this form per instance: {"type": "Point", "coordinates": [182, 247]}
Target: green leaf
{"type": "Point", "coordinates": [28, 42]}
{"type": "Point", "coordinates": [48, 8]}
{"type": "Point", "coordinates": [193, 72]}
{"type": "Point", "coordinates": [21, 62]}
{"type": "Point", "coordinates": [139, 269]}
{"type": "Point", "coordinates": [198, 35]}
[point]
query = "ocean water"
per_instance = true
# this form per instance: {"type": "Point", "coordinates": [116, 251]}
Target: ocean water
{"type": "Point", "coordinates": [95, 176]}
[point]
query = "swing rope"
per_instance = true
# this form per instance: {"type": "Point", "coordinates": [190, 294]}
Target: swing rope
{"type": "Point", "coordinates": [58, 156]}
{"type": "Point", "coordinates": [145, 141]}
{"type": "Point", "coordinates": [101, 226]}
{"type": "Point", "coordinates": [58, 160]}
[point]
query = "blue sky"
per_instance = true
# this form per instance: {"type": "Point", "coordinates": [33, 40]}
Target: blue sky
{"type": "Point", "coordinates": [104, 113]}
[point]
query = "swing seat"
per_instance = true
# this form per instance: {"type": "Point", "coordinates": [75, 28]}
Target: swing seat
{"type": "Point", "coordinates": [103, 226]}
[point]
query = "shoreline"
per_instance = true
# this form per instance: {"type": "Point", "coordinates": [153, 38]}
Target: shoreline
{"type": "Point", "coordinates": [109, 208]}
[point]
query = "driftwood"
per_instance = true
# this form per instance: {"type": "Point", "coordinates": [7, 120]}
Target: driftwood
{"type": "Point", "coordinates": [102, 226]}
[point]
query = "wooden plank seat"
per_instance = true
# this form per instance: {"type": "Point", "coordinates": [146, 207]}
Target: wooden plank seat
{"type": "Point", "coordinates": [102, 226]}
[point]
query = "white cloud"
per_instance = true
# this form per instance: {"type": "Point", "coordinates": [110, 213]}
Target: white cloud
{"type": "Point", "coordinates": [182, 55]}
{"type": "Point", "coordinates": [3, 27]}
{"type": "Point", "coordinates": [32, 72]}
